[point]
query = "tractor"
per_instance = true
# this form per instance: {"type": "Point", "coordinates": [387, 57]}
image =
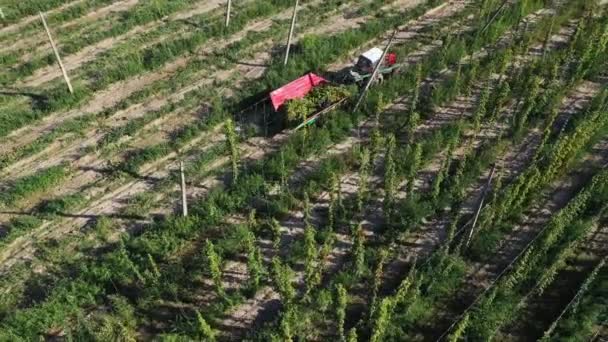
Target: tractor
{"type": "Point", "coordinates": [366, 63]}
{"type": "Point", "coordinates": [278, 101]}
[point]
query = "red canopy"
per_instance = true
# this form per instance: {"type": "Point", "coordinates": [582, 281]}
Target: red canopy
{"type": "Point", "coordinates": [296, 89]}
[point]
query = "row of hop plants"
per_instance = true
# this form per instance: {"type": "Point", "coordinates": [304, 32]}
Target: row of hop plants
{"type": "Point", "coordinates": [16, 10]}
{"type": "Point", "coordinates": [460, 329]}
{"type": "Point", "coordinates": [547, 164]}
{"type": "Point", "coordinates": [381, 320]}
{"type": "Point", "coordinates": [442, 272]}
{"type": "Point", "coordinates": [536, 268]}
{"type": "Point", "coordinates": [542, 283]}
{"type": "Point", "coordinates": [488, 107]}
{"type": "Point", "coordinates": [210, 25]}
{"type": "Point", "coordinates": [356, 247]}
{"type": "Point", "coordinates": [465, 321]}
{"type": "Point", "coordinates": [440, 277]}
{"type": "Point", "coordinates": [585, 315]}
{"type": "Point", "coordinates": [123, 63]}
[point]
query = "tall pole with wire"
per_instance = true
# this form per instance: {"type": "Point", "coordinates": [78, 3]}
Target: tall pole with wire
{"type": "Point", "coordinates": [293, 25]}
{"type": "Point", "coordinates": [228, 10]}
{"type": "Point", "coordinates": [478, 211]}
{"type": "Point", "coordinates": [63, 71]}
{"type": "Point", "coordinates": [370, 81]}
{"type": "Point", "coordinates": [183, 186]}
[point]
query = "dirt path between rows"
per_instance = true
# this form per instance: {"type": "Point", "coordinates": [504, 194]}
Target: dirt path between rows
{"type": "Point", "coordinates": [38, 41]}
{"type": "Point", "coordinates": [89, 53]}
{"type": "Point", "coordinates": [27, 20]}
{"type": "Point", "coordinates": [57, 154]}
{"type": "Point", "coordinates": [119, 91]}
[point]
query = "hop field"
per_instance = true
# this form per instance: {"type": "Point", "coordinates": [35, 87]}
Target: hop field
{"type": "Point", "coordinates": [189, 184]}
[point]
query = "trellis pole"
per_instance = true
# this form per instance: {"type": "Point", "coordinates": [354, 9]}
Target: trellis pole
{"type": "Point", "coordinates": [65, 73]}
{"type": "Point", "coordinates": [504, 3]}
{"type": "Point", "coordinates": [478, 211]}
{"type": "Point", "coordinates": [293, 25]}
{"type": "Point", "coordinates": [228, 10]}
{"type": "Point", "coordinates": [183, 186]}
{"type": "Point", "coordinates": [375, 72]}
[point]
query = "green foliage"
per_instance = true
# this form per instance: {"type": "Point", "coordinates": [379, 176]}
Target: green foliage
{"type": "Point", "coordinates": [119, 326]}
{"type": "Point", "coordinates": [61, 205]}
{"type": "Point", "coordinates": [204, 330]}
{"type": "Point", "coordinates": [255, 264]}
{"type": "Point", "coordinates": [298, 110]}
{"type": "Point", "coordinates": [214, 266]}
{"type": "Point", "coordinates": [275, 228]}
{"type": "Point", "coordinates": [139, 205]}
{"type": "Point", "coordinates": [161, 241]}
{"type": "Point", "coordinates": [36, 183]}
{"type": "Point", "coordinates": [358, 252]}
{"type": "Point", "coordinates": [390, 178]}
{"type": "Point", "coordinates": [381, 320]}
{"type": "Point", "coordinates": [460, 329]}
{"type": "Point", "coordinates": [377, 280]}
{"type": "Point", "coordinates": [352, 335]}
{"type": "Point", "coordinates": [232, 147]}
{"type": "Point", "coordinates": [364, 173]}
{"type": "Point", "coordinates": [18, 226]}
{"type": "Point", "coordinates": [283, 280]}
{"type": "Point", "coordinates": [312, 275]}
{"type": "Point", "coordinates": [341, 303]}
{"type": "Point", "coordinates": [415, 163]}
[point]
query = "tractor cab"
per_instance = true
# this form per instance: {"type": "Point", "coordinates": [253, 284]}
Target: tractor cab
{"type": "Point", "coordinates": [367, 62]}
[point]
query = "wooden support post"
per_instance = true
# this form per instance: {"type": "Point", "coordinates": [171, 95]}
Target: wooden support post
{"type": "Point", "coordinates": [228, 10]}
{"type": "Point", "coordinates": [375, 72]}
{"type": "Point", "coordinates": [65, 73]}
{"type": "Point", "coordinates": [494, 16]}
{"type": "Point", "coordinates": [184, 194]}
{"type": "Point", "coordinates": [293, 25]}
{"type": "Point", "coordinates": [483, 197]}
